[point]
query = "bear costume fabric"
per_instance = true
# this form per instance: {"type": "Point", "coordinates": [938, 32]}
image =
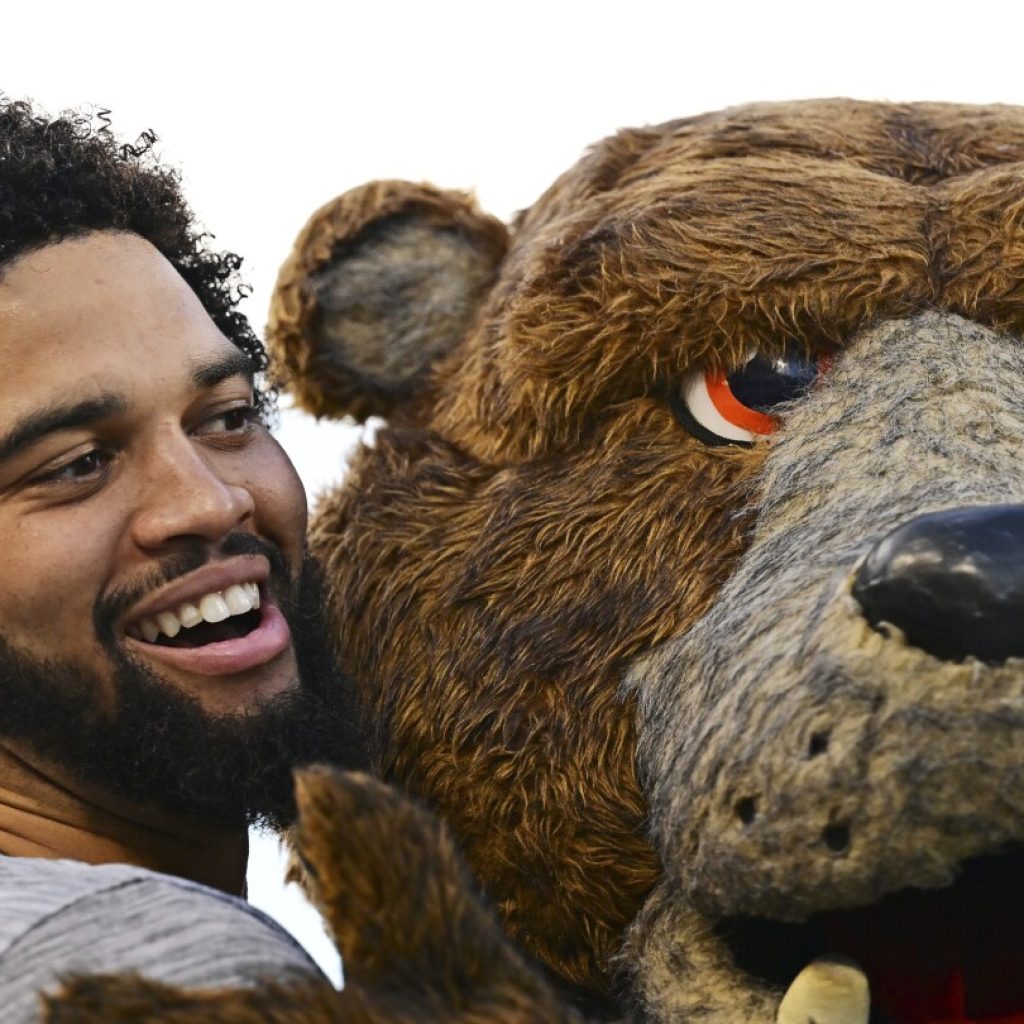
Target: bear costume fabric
{"type": "Point", "coordinates": [622, 579]}
{"type": "Point", "coordinates": [617, 658]}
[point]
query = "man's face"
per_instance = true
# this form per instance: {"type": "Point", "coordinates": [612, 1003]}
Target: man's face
{"type": "Point", "coordinates": [152, 534]}
{"type": "Point", "coordinates": [128, 444]}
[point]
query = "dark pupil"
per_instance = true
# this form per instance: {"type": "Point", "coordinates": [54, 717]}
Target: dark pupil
{"type": "Point", "coordinates": [766, 382]}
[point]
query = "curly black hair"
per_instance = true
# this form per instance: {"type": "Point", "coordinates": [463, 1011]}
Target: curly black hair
{"type": "Point", "coordinates": [62, 177]}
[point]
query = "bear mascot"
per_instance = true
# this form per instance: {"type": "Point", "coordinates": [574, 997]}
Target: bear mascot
{"type": "Point", "coordinates": [685, 583]}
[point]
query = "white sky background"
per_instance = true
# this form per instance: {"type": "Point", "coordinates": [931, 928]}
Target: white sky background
{"type": "Point", "coordinates": [272, 109]}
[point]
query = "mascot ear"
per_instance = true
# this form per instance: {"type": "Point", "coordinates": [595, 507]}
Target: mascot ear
{"type": "Point", "coordinates": [381, 283]}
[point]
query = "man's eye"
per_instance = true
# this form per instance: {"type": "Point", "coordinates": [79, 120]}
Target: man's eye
{"type": "Point", "coordinates": [88, 466]}
{"type": "Point", "coordinates": [738, 407]}
{"type": "Point", "coordinates": [230, 421]}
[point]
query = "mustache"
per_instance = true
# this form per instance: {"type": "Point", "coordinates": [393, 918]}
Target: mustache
{"type": "Point", "coordinates": [110, 606]}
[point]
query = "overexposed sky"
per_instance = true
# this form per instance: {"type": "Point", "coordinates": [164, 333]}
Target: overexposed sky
{"type": "Point", "coordinates": [270, 109]}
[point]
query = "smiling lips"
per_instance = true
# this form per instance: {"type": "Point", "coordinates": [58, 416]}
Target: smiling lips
{"type": "Point", "coordinates": [219, 621]}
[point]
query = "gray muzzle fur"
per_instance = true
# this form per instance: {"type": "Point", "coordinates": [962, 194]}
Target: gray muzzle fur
{"type": "Point", "coordinates": [795, 759]}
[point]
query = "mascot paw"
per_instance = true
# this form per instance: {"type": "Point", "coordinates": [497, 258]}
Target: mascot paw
{"type": "Point", "coordinates": [405, 911]}
{"type": "Point", "coordinates": [109, 999]}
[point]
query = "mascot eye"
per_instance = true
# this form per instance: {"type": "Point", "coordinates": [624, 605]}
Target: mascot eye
{"type": "Point", "coordinates": [736, 408]}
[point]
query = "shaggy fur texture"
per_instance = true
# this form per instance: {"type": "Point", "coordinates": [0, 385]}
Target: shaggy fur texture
{"type": "Point", "coordinates": [361, 268]}
{"type": "Point", "coordinates": [501, 707]}
{"type": "Point", "coordinates": [418, 945]}
{"type": "Point", "coordinates": [536, 522]}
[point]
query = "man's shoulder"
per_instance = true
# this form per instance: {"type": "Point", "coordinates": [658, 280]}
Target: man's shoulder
{"type": "Point", "coordinates": [31, 873]}
{"type": "Point", "coordinates": [67, 917]}
{"type": "Point", "coordinates": [33, 889]}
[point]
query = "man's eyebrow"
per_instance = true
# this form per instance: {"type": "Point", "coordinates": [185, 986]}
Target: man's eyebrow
{"type": "Point", "coordinates": [53, 418]}
{"type": "Point", "coordinates": [209, 375]}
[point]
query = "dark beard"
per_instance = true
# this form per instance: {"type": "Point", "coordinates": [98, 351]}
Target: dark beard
{"type": "Point", "coordinates": [159, 748]}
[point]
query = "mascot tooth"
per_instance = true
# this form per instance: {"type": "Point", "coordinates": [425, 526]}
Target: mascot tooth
{"type": "Point", "coordinates": [827, 991]}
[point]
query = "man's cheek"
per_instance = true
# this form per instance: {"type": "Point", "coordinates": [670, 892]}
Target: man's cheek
{"type": "Point", "coordinates": [46, 596]}
{"type": "Point", "coordinates": [281, 507]}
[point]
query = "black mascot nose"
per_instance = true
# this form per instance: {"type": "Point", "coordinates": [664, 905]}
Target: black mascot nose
{"type": "Point", "coordinates": [953, 582]}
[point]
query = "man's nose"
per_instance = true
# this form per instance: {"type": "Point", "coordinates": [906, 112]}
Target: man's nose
{"type": "Point", "coordinates": [183, 496]}
{"type": "Point", "coordinates": [952, 581]}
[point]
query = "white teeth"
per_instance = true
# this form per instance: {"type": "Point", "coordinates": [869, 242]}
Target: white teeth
{"type": "Point", "coordinates": [217, 606]}
{"type": "Point", "coordinates": [214, 608]}
{"type": "Point", "coordinates": [168, 623]}
{"type": "Point", "coordinates": [237, 599]}
{"type": "Point", "coordinates": [829, 990]}
{"type": "Point", "coordinates": [189, 615]}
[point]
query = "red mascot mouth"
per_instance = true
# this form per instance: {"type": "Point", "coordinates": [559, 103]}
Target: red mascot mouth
{"type": "Point", "coordinates": [942, 956]}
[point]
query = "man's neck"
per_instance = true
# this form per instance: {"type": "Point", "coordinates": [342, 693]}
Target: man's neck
{"type": "Point", "coordinates": [43, 813]}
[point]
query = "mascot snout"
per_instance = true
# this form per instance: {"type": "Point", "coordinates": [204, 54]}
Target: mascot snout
{"type": "Point", "coordinates": [844, 723]}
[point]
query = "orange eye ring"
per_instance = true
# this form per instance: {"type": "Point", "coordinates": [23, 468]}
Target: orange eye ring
{"type": "Point", "coordinates": [734, 411]}
{"type": "Point", "coordinates": [736, 407]}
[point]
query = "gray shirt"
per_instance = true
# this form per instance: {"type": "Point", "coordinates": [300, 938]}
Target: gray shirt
{"type": "Point", "coordinates": [61, 916]}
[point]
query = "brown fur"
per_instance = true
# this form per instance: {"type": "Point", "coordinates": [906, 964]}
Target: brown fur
{"type": "Point", "coordinates": [538, 518]}
{"type": "Point", "coordinates": [108, 999]}
{"type": "Point", "coordinates": [387, 920]}
{"type": "Point", "coordinates": [484, 685]}
{"type": "Point", "coordinates": [335, 352]}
